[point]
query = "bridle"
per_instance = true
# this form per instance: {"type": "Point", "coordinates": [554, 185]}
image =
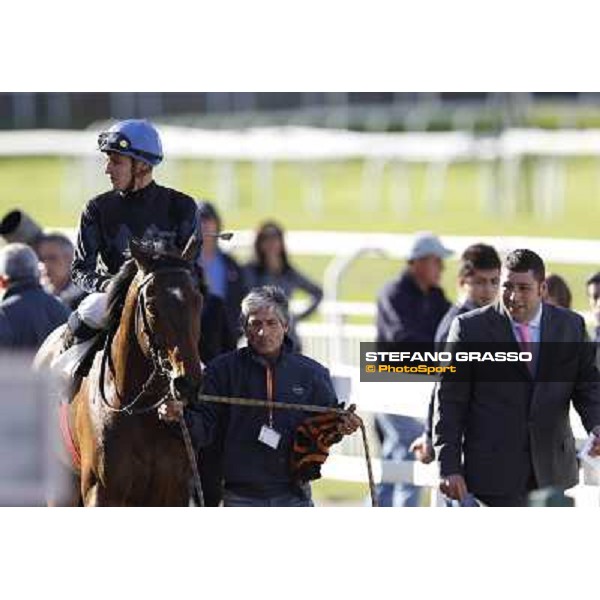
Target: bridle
{"type": "Point", "coordinates": [160, 378]}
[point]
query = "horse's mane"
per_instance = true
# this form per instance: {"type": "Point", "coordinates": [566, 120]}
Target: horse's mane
{"type": "Point", "coordinates": [118, 292]}
{"type": "Point", "coordinates": [122, 281]}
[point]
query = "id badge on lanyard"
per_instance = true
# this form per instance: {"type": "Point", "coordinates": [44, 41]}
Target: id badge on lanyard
{"type": "Point", "coordinates": [268, 435]}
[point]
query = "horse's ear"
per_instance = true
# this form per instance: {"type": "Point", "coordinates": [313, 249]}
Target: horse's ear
{"type": "Point", "coordinates": [192, 248]}
{"type": "Point", "coordinates": [140, 254]}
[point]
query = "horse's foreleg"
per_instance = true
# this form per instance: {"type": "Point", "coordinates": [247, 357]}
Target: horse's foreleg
{"type": "Point", "coordinates": [90, 488]}
{"type": "Point", "coordinates": [91, 496]}
{"type": "Point", "coordinates": [97, 495]}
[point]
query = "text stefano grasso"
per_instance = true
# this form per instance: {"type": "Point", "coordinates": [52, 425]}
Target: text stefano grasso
{"type": "Point", "coordinates": [443, 357]}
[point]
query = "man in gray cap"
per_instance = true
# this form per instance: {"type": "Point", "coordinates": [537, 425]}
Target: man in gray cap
{"type": "Point", "coordinates": [409, 310]}
{"type": "Point", "coordinates": [27, 313]}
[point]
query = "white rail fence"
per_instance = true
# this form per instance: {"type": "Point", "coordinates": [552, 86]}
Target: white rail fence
{"type": "Point", "coordinates": [345, 244]}
{"type": "Point", "coordinates": [500, 160]}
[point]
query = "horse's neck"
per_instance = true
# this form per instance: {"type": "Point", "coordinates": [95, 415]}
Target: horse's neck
{"type": "Point", "coordinates": [132, 368]}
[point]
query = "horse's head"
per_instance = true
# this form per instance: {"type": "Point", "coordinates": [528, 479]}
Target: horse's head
{"type": "Point", "coordinates": [168, 311]}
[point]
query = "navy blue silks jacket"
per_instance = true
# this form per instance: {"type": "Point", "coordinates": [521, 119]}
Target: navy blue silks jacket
{"type": "Point", "coordinates": [242, 373]}
{"type": "Point", "coordinates": [28, 314]}
{"type": "Point", "coordinates": [110, 220]}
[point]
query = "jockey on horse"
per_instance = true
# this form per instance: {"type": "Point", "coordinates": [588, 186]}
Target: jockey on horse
{"type": "Point", "coordinates": [136, 207]}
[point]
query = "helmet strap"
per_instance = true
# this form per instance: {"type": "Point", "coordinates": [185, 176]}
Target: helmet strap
{"type": "Point", "coordinates": [130, 187]}
{"type": "Point", "coordinates": [135, 174]}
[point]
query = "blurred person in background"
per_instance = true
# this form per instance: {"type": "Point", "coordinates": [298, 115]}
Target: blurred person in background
{"type": "Point", "coordinates": [56, 252]}
{"type": "Point", "coordinates": [410, 309]}
{"type": "Point", "coordinates": [593, 294]}
{"type": "Point", "coordinates": [217, 338]}
{"type": "Point", "coordinates": [27, 313]}
{"type": "Point", "coordinates": [557, 292]}
{"type": "Point", "coordinates": [478, 282]}
{"type": "Point", "coordinates": [271, 266]}
{"type": "Point", "coordinates": [135, 207]}
{"type": "Point", "coordinates": [217, 335]}
{"type": "Point", "coordinates": [225, 278]}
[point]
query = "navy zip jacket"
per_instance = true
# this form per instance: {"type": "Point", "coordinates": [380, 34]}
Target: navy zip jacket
{"type": "Point", "coordinates": [28, 314]}
{"type": "Point", "coordinates": [406, 314]}
{"type": "Point", "coordinates": [110, 220]}
{"type": "Point", "coordinates": [247, 462]}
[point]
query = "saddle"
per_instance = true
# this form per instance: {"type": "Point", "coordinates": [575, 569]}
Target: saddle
{"type": "Point", "coordinates": [72, 364]}
{"type": "Point", "coordinates": [77, 356]}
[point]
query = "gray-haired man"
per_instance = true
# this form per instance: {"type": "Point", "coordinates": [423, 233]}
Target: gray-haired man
{"type": "Point", "coordinates": [27, 313]}
{"type": "Point", "coordinates": [261, 460]}
{"type": "Point", "coordinates": [56, 252]}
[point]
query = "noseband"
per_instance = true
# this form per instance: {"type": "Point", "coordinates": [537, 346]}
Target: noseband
{"type": "Point", "coordinates": [160, 362]}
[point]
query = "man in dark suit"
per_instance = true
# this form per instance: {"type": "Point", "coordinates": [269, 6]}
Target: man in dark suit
{"type": "Point", "coordinates": [479, 282]}
{"type": "Point", "coordinates": [499, 440]}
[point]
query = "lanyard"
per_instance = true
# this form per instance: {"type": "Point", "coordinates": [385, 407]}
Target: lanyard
{"type": "Point", "coordinates": [270, 399]}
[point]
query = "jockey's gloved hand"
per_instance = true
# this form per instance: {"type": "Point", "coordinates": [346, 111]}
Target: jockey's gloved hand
{"type": "Point", "coordinates": [312, 440]}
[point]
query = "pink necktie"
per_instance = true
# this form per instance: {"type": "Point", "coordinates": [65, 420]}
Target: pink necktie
{"type": "Point", "coordinates": [525, 343]}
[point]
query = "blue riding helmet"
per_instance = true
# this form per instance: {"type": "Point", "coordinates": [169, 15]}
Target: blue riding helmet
{"type": "Point", "coordinates": [136, 138]}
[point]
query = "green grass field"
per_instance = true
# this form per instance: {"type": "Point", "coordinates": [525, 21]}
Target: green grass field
{"type": "Point", "coordinates": [340, 493]}
{"type": "Point", "coordinates": [52, 191]}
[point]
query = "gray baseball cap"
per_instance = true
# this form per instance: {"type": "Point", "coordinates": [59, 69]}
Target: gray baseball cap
{"type": "Point", "coordinates": [427, 244]}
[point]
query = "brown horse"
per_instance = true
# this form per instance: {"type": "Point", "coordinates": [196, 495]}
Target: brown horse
{"type": "Point", "coordinates": [126, 455]}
